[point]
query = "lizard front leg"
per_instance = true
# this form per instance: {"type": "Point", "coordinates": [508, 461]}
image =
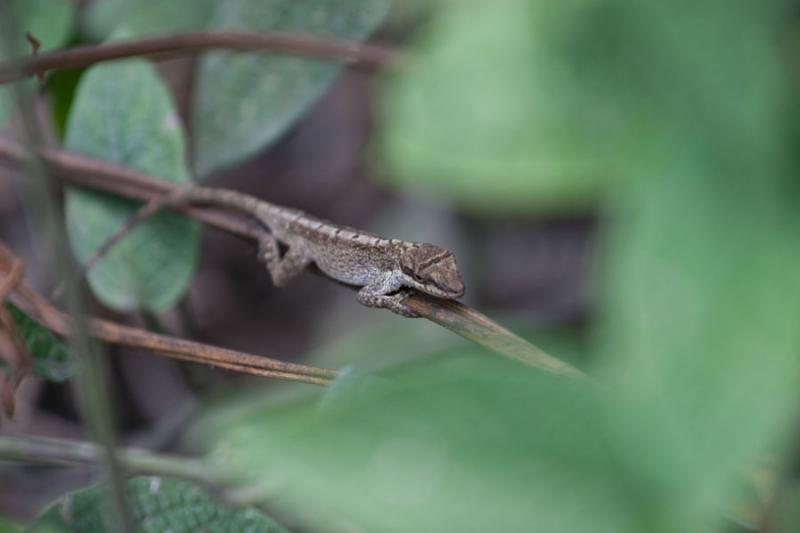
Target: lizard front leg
{"type": "Point", "coordinates": [282, 269]}
{"type": "Point", "coordinates": [377, 294]}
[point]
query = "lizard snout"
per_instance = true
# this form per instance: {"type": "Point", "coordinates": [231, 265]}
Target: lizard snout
{"type": "Point", "coordinates": [450, 285]}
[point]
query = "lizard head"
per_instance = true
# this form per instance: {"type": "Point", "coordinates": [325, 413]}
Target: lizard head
{"type": "Point", "coordinates": [432, 270]}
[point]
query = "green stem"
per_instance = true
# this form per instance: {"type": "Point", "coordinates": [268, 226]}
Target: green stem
{"type": "Point", "coordinates": [51, 451]}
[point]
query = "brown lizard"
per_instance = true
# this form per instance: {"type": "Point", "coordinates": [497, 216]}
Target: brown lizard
{"type": "Point", "coordinates": [384, 268]}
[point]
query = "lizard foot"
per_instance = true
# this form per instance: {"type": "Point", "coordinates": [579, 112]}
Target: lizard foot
{"type": "Point", "coordinates": [393, 302]}
{"type": "Point", "coordinates": [397, 304]}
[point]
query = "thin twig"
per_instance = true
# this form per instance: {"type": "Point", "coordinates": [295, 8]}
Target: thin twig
{"type": "Point", "coordinates": [51, 451]}
{"type": "Point", "coordinates": [35, 45]}
{"type": "Point", "coordinates": [347, 52]}
{"type": "Point", "coordinates": [459, 318]}
{"type": "Point", "coordinates": [182, 349]}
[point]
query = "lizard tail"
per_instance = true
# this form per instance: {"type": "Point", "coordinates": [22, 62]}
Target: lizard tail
{"type": "Point", "coordinates": [184, 195]}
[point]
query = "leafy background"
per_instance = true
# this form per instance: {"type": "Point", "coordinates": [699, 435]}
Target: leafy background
{"type": "Point", "coordinates": [618, 179]}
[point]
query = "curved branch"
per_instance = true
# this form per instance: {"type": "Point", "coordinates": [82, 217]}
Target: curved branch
{"type": "Point", "coordinates": [98, 174]}
{"type": "Point", "coordinates": [165, 46]}
{"type": "Point", "coordinates": [40, 310]}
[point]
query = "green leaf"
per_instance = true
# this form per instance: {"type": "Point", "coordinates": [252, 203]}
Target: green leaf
{"type": "Point", "coordinates": [145, 17]}
{"type": "Point", "coordinates": [49, 21]}
{"type": "Point", "coordinates": [52, 360]}
{"type": "Point", "coordinates": [244, 102]}
{"type": "Point", "coordinates": [467, 444]}
{"type": "Point", "coordinates": [123, 114]}
{"type": "Point", "coordinates": [158, 505]}
{"type": "Point", "coordinates": [701, 297]}
{"type": "Point", "coordinates": [491, 114]}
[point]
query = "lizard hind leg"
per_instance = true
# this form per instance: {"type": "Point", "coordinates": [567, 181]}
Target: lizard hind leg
{"type": "Point", "coordinates": [281, 269]}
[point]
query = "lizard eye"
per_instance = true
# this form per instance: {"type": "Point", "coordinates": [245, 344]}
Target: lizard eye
{"type": "Point", "coordinates": [413, 275]}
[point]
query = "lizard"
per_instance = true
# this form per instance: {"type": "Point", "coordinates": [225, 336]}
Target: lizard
{"type": "Point", "coordinates": [385, 269]}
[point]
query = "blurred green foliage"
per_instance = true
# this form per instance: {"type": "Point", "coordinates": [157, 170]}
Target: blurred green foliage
{"type": "Point", "coordinates": [158, 505]}
{"type": "Point", "coordinates": [123, 113]}
{"type": "Point", "coordinates": [489, 114]}
{"type": "Point", "coordinates": [467, 443]}
{"type": "Point", "coordinates": [676, 119]}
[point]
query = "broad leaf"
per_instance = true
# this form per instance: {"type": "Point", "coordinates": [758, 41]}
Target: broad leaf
{"type": "Point", "coordinates": [52, 360]}
{"type": "Point", "coordinates": [468, 444]}
{"type": "Point", "coordinates": [50, 22]}
{"type": "Point", "coordinates": [244, 102]}
{"type": "Point", "coordinates": [158, 505]}
{"type": "Point", "coordinates": [123, 114]}
{"type": "Point", "coordinates": [701, 298]}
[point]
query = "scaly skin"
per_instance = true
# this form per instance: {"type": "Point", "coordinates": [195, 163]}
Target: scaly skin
{"type": "Point", "coordinates": [383, 268]}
